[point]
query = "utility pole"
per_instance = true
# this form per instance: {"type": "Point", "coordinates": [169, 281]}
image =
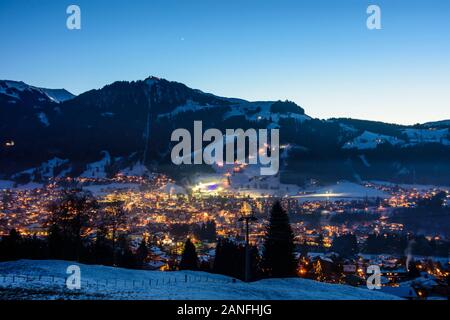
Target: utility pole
{"type": "Point", "coordinates": [247, 216]}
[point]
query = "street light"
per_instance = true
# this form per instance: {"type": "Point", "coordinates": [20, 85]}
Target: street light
{"type": "Point", "coordinates": [247, 216]}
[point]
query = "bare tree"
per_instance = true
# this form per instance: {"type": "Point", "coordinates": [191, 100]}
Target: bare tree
{"type": "Point", "coordinates": [73, 214]}
{"type": "Point", "coordinates": [113, 218]}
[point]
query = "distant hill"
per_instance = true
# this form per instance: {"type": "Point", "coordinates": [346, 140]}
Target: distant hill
{"type": "Point", "coordinates": [45, 133]}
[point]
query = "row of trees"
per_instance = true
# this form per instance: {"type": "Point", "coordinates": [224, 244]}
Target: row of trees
{"type": "Point", "coordinates": [80, 229]}
{"type": "Point", "coordinates": [347, 246]}
{"type": "Point", "coordinates": [205, 231]}
{"type": "Point", "coordinates": [14, 246]}
{"type": "Point", "coordinates": [277, 259]}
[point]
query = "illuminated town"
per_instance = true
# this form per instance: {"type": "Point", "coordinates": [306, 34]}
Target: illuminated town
{"type": "Point", "coordinates": [159, 209]}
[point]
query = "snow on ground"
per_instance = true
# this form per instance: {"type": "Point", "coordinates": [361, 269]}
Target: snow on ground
{"type": "Point", "coordinates": [43, 118]}
{"type": "Point", "coordinates": [252, 111]}
{"type": "Point", "coordinates": [29, 186]}
{"type": "Point", "coordinates": [247, 182]}
{"type": "Point", "coordinates": [342, 190]}
{"type": "Point", "coordinates": [137, 170]}
{"type": "Point", "coordinates": [6, 184]}
{"type": "Point", "coordinates": [247, 109]}
{"type": "Point", "coordinates": [58, 95]}
{"type": "Point", "coordinates": [11, 88]}
{"type": "Point", "coordinates": [420, 187]}
{"type": "Point", "coordinates": [370, 140]}
{"type": "Point", "coordinates": [416, 136]}
{"type": "Point", "coordinates": [97, 169]}
{"type": "Point", "coordinates": [189, 106]}
{"type": "Point", "coordinates": [45, 279]}
{"type": "Point", "coordinates": [172, 188]}
{"type": "Point", "coordinates": [46, 170]}
{"type": "Point", "coordinates": [104, 189]}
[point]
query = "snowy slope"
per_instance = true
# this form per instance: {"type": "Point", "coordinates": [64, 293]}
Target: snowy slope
{"type": "Point", "coordinates": [97, 169]}
{"type": "Point", "coordinates": [252, 111]}
{"type": "Point", "coordinates": [190, 106]}
{"type": "Point", "coordinates": [428, 136]}
{"type": "Point", "coordinates": [370, 140]}
{"type": "Point", "coordinates": [14, 88]}
{"type": "Point", "coordinates": [100, 282]}
{"type": "Point", "coordinates": [342, 190]}
{"type": "Point", "coordinates": [58, 95]}
{"type": "Point", "coordinates": [46, 170]}
{"type": "Point", "coordinates": [260, 110]}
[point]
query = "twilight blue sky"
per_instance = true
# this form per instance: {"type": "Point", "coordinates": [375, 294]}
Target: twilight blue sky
{"type": "Point", "coordinates": [317, 53]}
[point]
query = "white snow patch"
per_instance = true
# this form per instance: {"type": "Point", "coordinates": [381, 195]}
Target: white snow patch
{"type": "Point", "coordinates": [171, 188]}
{"type": "Point", "coordinates": [6, 184]}
{"type": "Point", "coordinates": [248, 109]}
{"type": "Point", "coordinates": [370, 140]}
{"type": "Point", "coordinates": [30, 186]}
{"type": "Point", "coordinates": [103, 189]}
{"type": "Point", "coordinates": [417, 136]}
{"type": "Point", "coordinates": [342, 190]}
{"type": "Point", "coordinates": [189, 106]}
{"type": "Point", "coordinates": [137, 170]}
{"type": "Point", "coordinates": [55, 95]}
{"type": "Point", "coordinates": [97, 169]}
{"type": "Point", "coordinates": [419, 187]}
{"type": "Point", "coordinates": [102, 282]}
{"type": "Point", "coordinates": [47, 169]}
{"type": "Point", "coordinates": [43, 118]}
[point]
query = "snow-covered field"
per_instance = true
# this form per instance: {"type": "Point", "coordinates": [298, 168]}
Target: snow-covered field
{"type": "Point", "coordinates": [45, 279]}
{"type": "Point", "coordinates": [340, 191]}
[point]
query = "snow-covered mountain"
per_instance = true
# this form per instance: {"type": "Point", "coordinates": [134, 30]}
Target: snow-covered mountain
{"type": "Point", "coordinates": [46, 279]}
{"type": "Point", "coordinates": [370, 140]}
{"type": "Point", "coordinates": [132, 122]}
{"type": "Point", "coordinates": [16, 90]}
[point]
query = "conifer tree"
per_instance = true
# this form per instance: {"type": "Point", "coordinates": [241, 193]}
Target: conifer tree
{"type": "Point", "coordinates": [189, 259]}
{"type": "Point", "coordinates": [142, 253]}
{"type": "Point", "coordinates": [278, 255]}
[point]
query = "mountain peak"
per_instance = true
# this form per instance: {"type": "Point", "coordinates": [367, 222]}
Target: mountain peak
{"type": "Point", "coordinates": [14, 89]}
{"type": "Point", "coordinates": [153, 78]}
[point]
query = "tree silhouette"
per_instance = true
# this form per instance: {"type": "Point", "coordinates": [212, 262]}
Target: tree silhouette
{"type": "Point", "coordinates": [345, 245]}
{"type": "Point", "coordinates": [278, 255]}
{"type": "Point", "coordinates": [142, 253]}
{"type": "Point", "coordinates": [113, 218]}
{"type": "Point", "coordinates": [72, 214]}
{"type": "Point", "coordinates": [11, 246]}
{"type": "Point", "coordinates": [230, 260]}
{"type": "Point", "coordinates": [189, 259]}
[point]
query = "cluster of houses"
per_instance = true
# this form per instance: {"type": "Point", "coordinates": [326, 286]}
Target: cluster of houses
{"type": "Point", "coordinates": [426, 278]}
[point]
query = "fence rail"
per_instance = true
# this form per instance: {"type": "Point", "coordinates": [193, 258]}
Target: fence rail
{"type": "Point", "coordinates": [8, 279]}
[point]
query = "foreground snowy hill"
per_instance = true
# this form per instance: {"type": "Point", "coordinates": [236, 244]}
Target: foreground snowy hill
{"type": "Point", "coordinates": [45, 279]}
